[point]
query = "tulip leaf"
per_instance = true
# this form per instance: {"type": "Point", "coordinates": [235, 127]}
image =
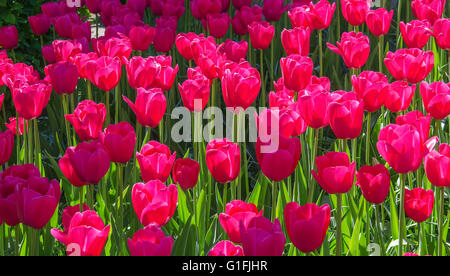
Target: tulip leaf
{"type": "Point", "coordinates": [180, 243]}
{"type": "Point", "coordinates": [182, 208]}
{"type": "Point", "coordinates": [394, 216]}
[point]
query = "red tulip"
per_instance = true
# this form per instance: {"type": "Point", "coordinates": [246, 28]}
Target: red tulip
{"type": "Point", "coordinates": [150, 106]}
{"type": "Point", "coordinates": [436, 99]}
{"type": "Point", "coordinates": [63, 26]}
{"type": "Point", "coordinates": [296, 71]}
{"type": "Point", "coordinates": [12, 126]}
{"type": "Point", "coordinates": [94, 6]}
{"type": "Point", "coordinates": [223, 159]}
{"type": "Point", "coordinates": [119, 141]}
{"type": "Point", "coordinates": [379, 21]}
{"type": "Point", "coordinates": [154, 202]}
{"type": "Point", "coordinates": [403, 148]}
{"type": "Point", "coordinates": [9, 37]}
{"type": "Point", "coordinates": [436, 166]}
{"type": "Point", "coordinates": [155, 161]}
{"type": "Point", "coordinates": [354, 49]}
{"type": "Point", "coordinates": [430, 10]}
{"type": "Point", "coordinates": [104, 72]}
{"type": "Point", "coordinates": [296, 41]}
{"type": "Point", "coordinates": [321, 14]}
{"type": "Point", "coordinates": [244, 17]}
{"type": "Point", "coordinates": [278, 159]}
{"type": "Point", "coordinates": [49, 54]}
{"type": "Point", "coordinates": [113, 47]}
{"type": "Point", "coordinates": [335, 173]}
{"type": "Point", "coordinates": [261, 34]}
{"type": "Point", "coordinates": [441, 34]}
{"type": "Point", "coordinates": [81, 60]}
{"type": "Point", "coordinates": [89, 161]}
{"type": "Point", "coordinates": [300, 16]}
{"type": "Point", "coordinates": [66, 49]}
{"type": "Point", "coordinates": [201, 8]}
{"type": "Point", "coordinates": [354, 11]}
{"type": "Point", "coordinates": [226, 248]}
{"type": "Point", "coordinates": [262, 237]}
{"type": "Point", "coordinates": [86, 234]}
{"type": "Point", "coordinates": [241, 3]}
{"type": "Point", "coordinates": [307, 225]}
{"type": "Point", "coordinates": [374, 182]}
{"type": "Point", "coordinates": [409, 254]}
{"type": "Point", "coordinates": [313, 108]}
{"type": "Point", "coordinates": [240, 87]}
{"type": "Point", "coordinates": [412, 65]}
{"type": "Point", "coordinates": [346, 114]}
{"type": "Point", "coordinates": [416, 33]}
{"type": "Point", "coordinates": [218, 24]}
{"type": "Point", "coordinates": [39, 24]}
{"type": "Point", "coordinates": [399, 96]}
{"type": "Point", "coordinates": [274, 9]}
{"type": "Point", "coordinates": [164, 39]}
{"type": "Point", "coordinates": [68, 214]}
{"type": "Point", "coordinates": [167, 74]}
{"type": "Point", "coordinates": [68, 171]}
{"type": "Point", "coordinates": [87, 119]}
{"type": "Point", "coordinates": [371, 87]}
{"type": "Point", "coordinates": [419, 204]}
{"type": "Point", "coordinates": [141, 72]}
{"type": "Point", "coordinates": [137, 6]}
{"type": "Point", "coordinates": [150, 241]}
{"type": "Point", "coordinates": [50, 9]}
{"type": "Point", "coordinates": [30, 99]}
{"type": "Point", "coordinates": [185, 173]}
{"type": "Point", "coordinates": [235, 51]}
{"type": "Point", "coordinates": [237, 211]}
{"type": "Point", "coordinates": [184, 43]}
{"type": "Point", "coordinates": [141, 37]}
{"type": "Point", "coordinates": [63, 77]}
{"type": "Point", "coordinates": [195, 93]}
{"type": "Point", "coordinates": [6, 146]}
{"type": "Point", "coordinates": [417, 119]}
{"type": "Point", "coordinates": [288, 122]}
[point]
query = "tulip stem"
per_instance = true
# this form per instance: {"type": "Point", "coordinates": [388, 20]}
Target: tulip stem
{"type": "Point", "coordinates": [108, 112]}
{"type": "Point", "coordinates": [120, 205]}
{"type": "Point", "coordinates": [37, 145]}
{"type": "Point", "coordinates": [89, 87]}
{"type": "Point", "coordinates": [401, 213]}
{"type": "Point", "coordinates": [42, 46]}
{"type": "Point", "coordinates": [117, 105]}
{"type": "Point", "coordinates": [369, 118]}
{"type": "Point", "coordinates": [263, 83]}
{"type": "Point", "coordinates": [224, 196]}
{"type": "Point", "coordinates": [2, 239]}
{"type": "Point", "coordinates": [419, 236]}
{"type": "Point", "coordinates": [320, 54]}
{"type": "Point", "coordinates": [380, 53]}
{"type": "Point", "coordinates": [96, 25]}
{"type": "Point", "coordinates": [399, 9]}
{"type": "Point", "coordinates": [65, 101]}
{"type": "Point", "coordinates": [271, 61]}
{"type": "Point", "coordinates": [274, 199]}
{"type": "Point", "coordinates": [81, 190]}
{"type": "Point", "coordinates": [138, 141]}
{"type": "Point", "coordinates": [13, 53]}
{"type": "Point", "coordinates": [311, 183]}
{"type": "Point", "coordinates": [339, 225]}
{"type": "Point", "coordinates": [441, 220]}
{"type": "Point", "coordinates": [30, 142]}
{"type": "Point", "coordinates": [18, 137]}
{"type": "Point", "coordinates": [379, 230]}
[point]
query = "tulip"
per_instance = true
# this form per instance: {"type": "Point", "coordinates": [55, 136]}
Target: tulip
{"type": "Point", "coordinates": [240, 87]}
{"type": "Point", "coordinates": [235, 51]}
{"type": "Point", "coordinates": [416, 33]}
{"type": "Point", "coordinates": [183, 43]}
{"type": "Point", "coordinates": [49, 54]}
{"type": "Point", "coordinates": [30, 99]}
{"type": "Point", "coordinates": [410, 254]}
{"type": "Point", "coordinates": [278, 160]}
{"type": "Point", "coordinates": [226, 248]}
{"type": "Point", "coordinates": [142, 72]}
{"type": "Point", "coordinates": [346, 115]}
{"type": "Point", "coordinates": [335, 173]}
{"type": "Point", "coordinates": [50, 9]}
{"type": "Point", "coordinates": [244, 17]}
{"type": "Point", "coordinates": [418, 120]}
{"type": "Point", "coordinates": [69, 212]}
{"type": "Point", "coordinates": [37, 201]}
{"type": "Point", "coordinates": [436, 166]}
{"type": "Point", "coordinates": [155, 161]}
{"type": "Point", "coordinates": [274, 9]}
{"type": "Point", "coordinates": [261, 34]}
{"type": "Point", "coordinates": [68, 170]}
{"type": "Point", "coordinates": [313, 108]}
{"type": "Point", "coordinates": [195, 91]}
{"type": "Point", "coordinates": [141, 37]}
{"type": "Point", "coordinates": [288, 119]}
{"type": "Point", "coordinates": [39, 24]}
{"type": "Point", "coordinates": [119, 141]}
{"type": "Point", "coordinates": [262, 237]}
{"type": "Point", "coordinates": [436, 99]}
{"type": "Point", "coordinates": [63, 77]}
{"type": "Point", "coordinates": [167, 74]}
{"type": "Point", "coordinates": [379, 21]}
{"type": "Point", "coordinates": [81, 60]}
{"type": "Point", "coordinates": [153, 202]}
{"type": "Point", "coordinates": [241, 3]}
{"type": "Point", "coordinates": [104, 72]}
{"type": "Point", "coordinates": [402, 147]}
{"type": "Point", "coordinates": [137, 6]}
{"type": "Point", "coordinates": [66, 49]}
{"type": "Point", "coordinates": [201, 8]}
{"type": "Point", "coordinates": [185, 173]}
{"type": "Point", "coordinates": [321, 14]}
{"type": "Point", "coordinates": [441, 34]}
{"type": "Point", "coordinates": [223, 159]}
{"type": "Point", "coordinates": [9, 37]}
{"type": "Point", "coordinates": [90, 161]}
{"type": "Point", "coordinates": [164, 39]}
{"type": "Point", "coordinates": [354, 49]}
{"type": "Point", "coordinates": [63, 26]}
{"type": "Point", "coordinates": [374, 182]}
{"type": "Point", "coordinates": [296, 41]}
{"type": "Point", "coordinates": [150, 241]}
{"type": "Point", "coordinates": [87, 231]}
{"type": "Point", "coordinates": [87, 119]}
{"type": "Point", "coordinates": [12, 126]}
{"type": "Point", "coordinates": [150, 106]}
{"type": "Point", "coordinates": [307, 225]}
{"type": "Point", "coordinates": [116, 31]}
{"type": "Point", "coordinates": [354, 11]}
{"type": "Point", "coordinates": [296, 71]}
{"type": "Point", "coordinates": [81, 30]}
{"type": "Point", "coordinates": [114, 47]}
{"type": "Point", "coordinates": [94, 6]}
{"type": "Point", "coordinates": [300, 17]}
{"type": "Point", "coordinates": [412, 65]}
{"type": "Point", "coordinates": [218, 24]}
{"type": "Point", "coordinates": [371, 87]}
{"type": "Point", "coordinates": [419, 204]}
{"type": "Point", "coordinates": [430, 10]}
{"type": "Point", "coordinates": [6, 146]}
{"type": "Point", "coordinates": [399, 96]}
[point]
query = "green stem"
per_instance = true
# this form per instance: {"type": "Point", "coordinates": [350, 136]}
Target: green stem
{"type": "Point", "coordinates": [369, 117]}
{"type": "Point", "coordinates": [419, 237]}
{"type": "Point", "coordinates": [65, 101]}
{"type": "Point", "coordinates": [401, 213]}
{"type": "Point", "coordinates": [37, 144]}
{"type": "Point", "coordinates": [320, 54]}
{"type": "Point", "coordinates": [263, 83]}
{"type": "Point", "coordinates": [272, 69]}
{"type": "Point", "coordinates": [81, 191]}
{"type": "Point", "coordinates": [108, 112]}
{"type": "Point", "coordinates": [2, 239]}
{"type": "Point", "coordinates": [339, 225]}
{"type": "Point", "coordinates": [441, 220]}
{"type": "Point", "coordinates": [18, 137]}
{"type": "Point", "coordinates": [225, 195]}
{"type": "Point", "coordinates": [314, 155]}
{"type": "Point", "coordinates": [274, 199]}
{"type": "Point", "coordinates": [13, 53]}
{"type": "Point", "coordinates": [138, 143]}
{"type": "Point", "coordinates": [380, 53]}
{"type": "Point", "coordinates": [89, 87]}
{"type": "Point", "coordinates": [30, 142]}
{"type": "Point", "coordinates": [117, 105]}
{"type": "Point", "coordinates": [120, 205]}
{"type": "Point", "coordinates": [42, 46]}
{"type": "Point", "coordinates": [379, 231]}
